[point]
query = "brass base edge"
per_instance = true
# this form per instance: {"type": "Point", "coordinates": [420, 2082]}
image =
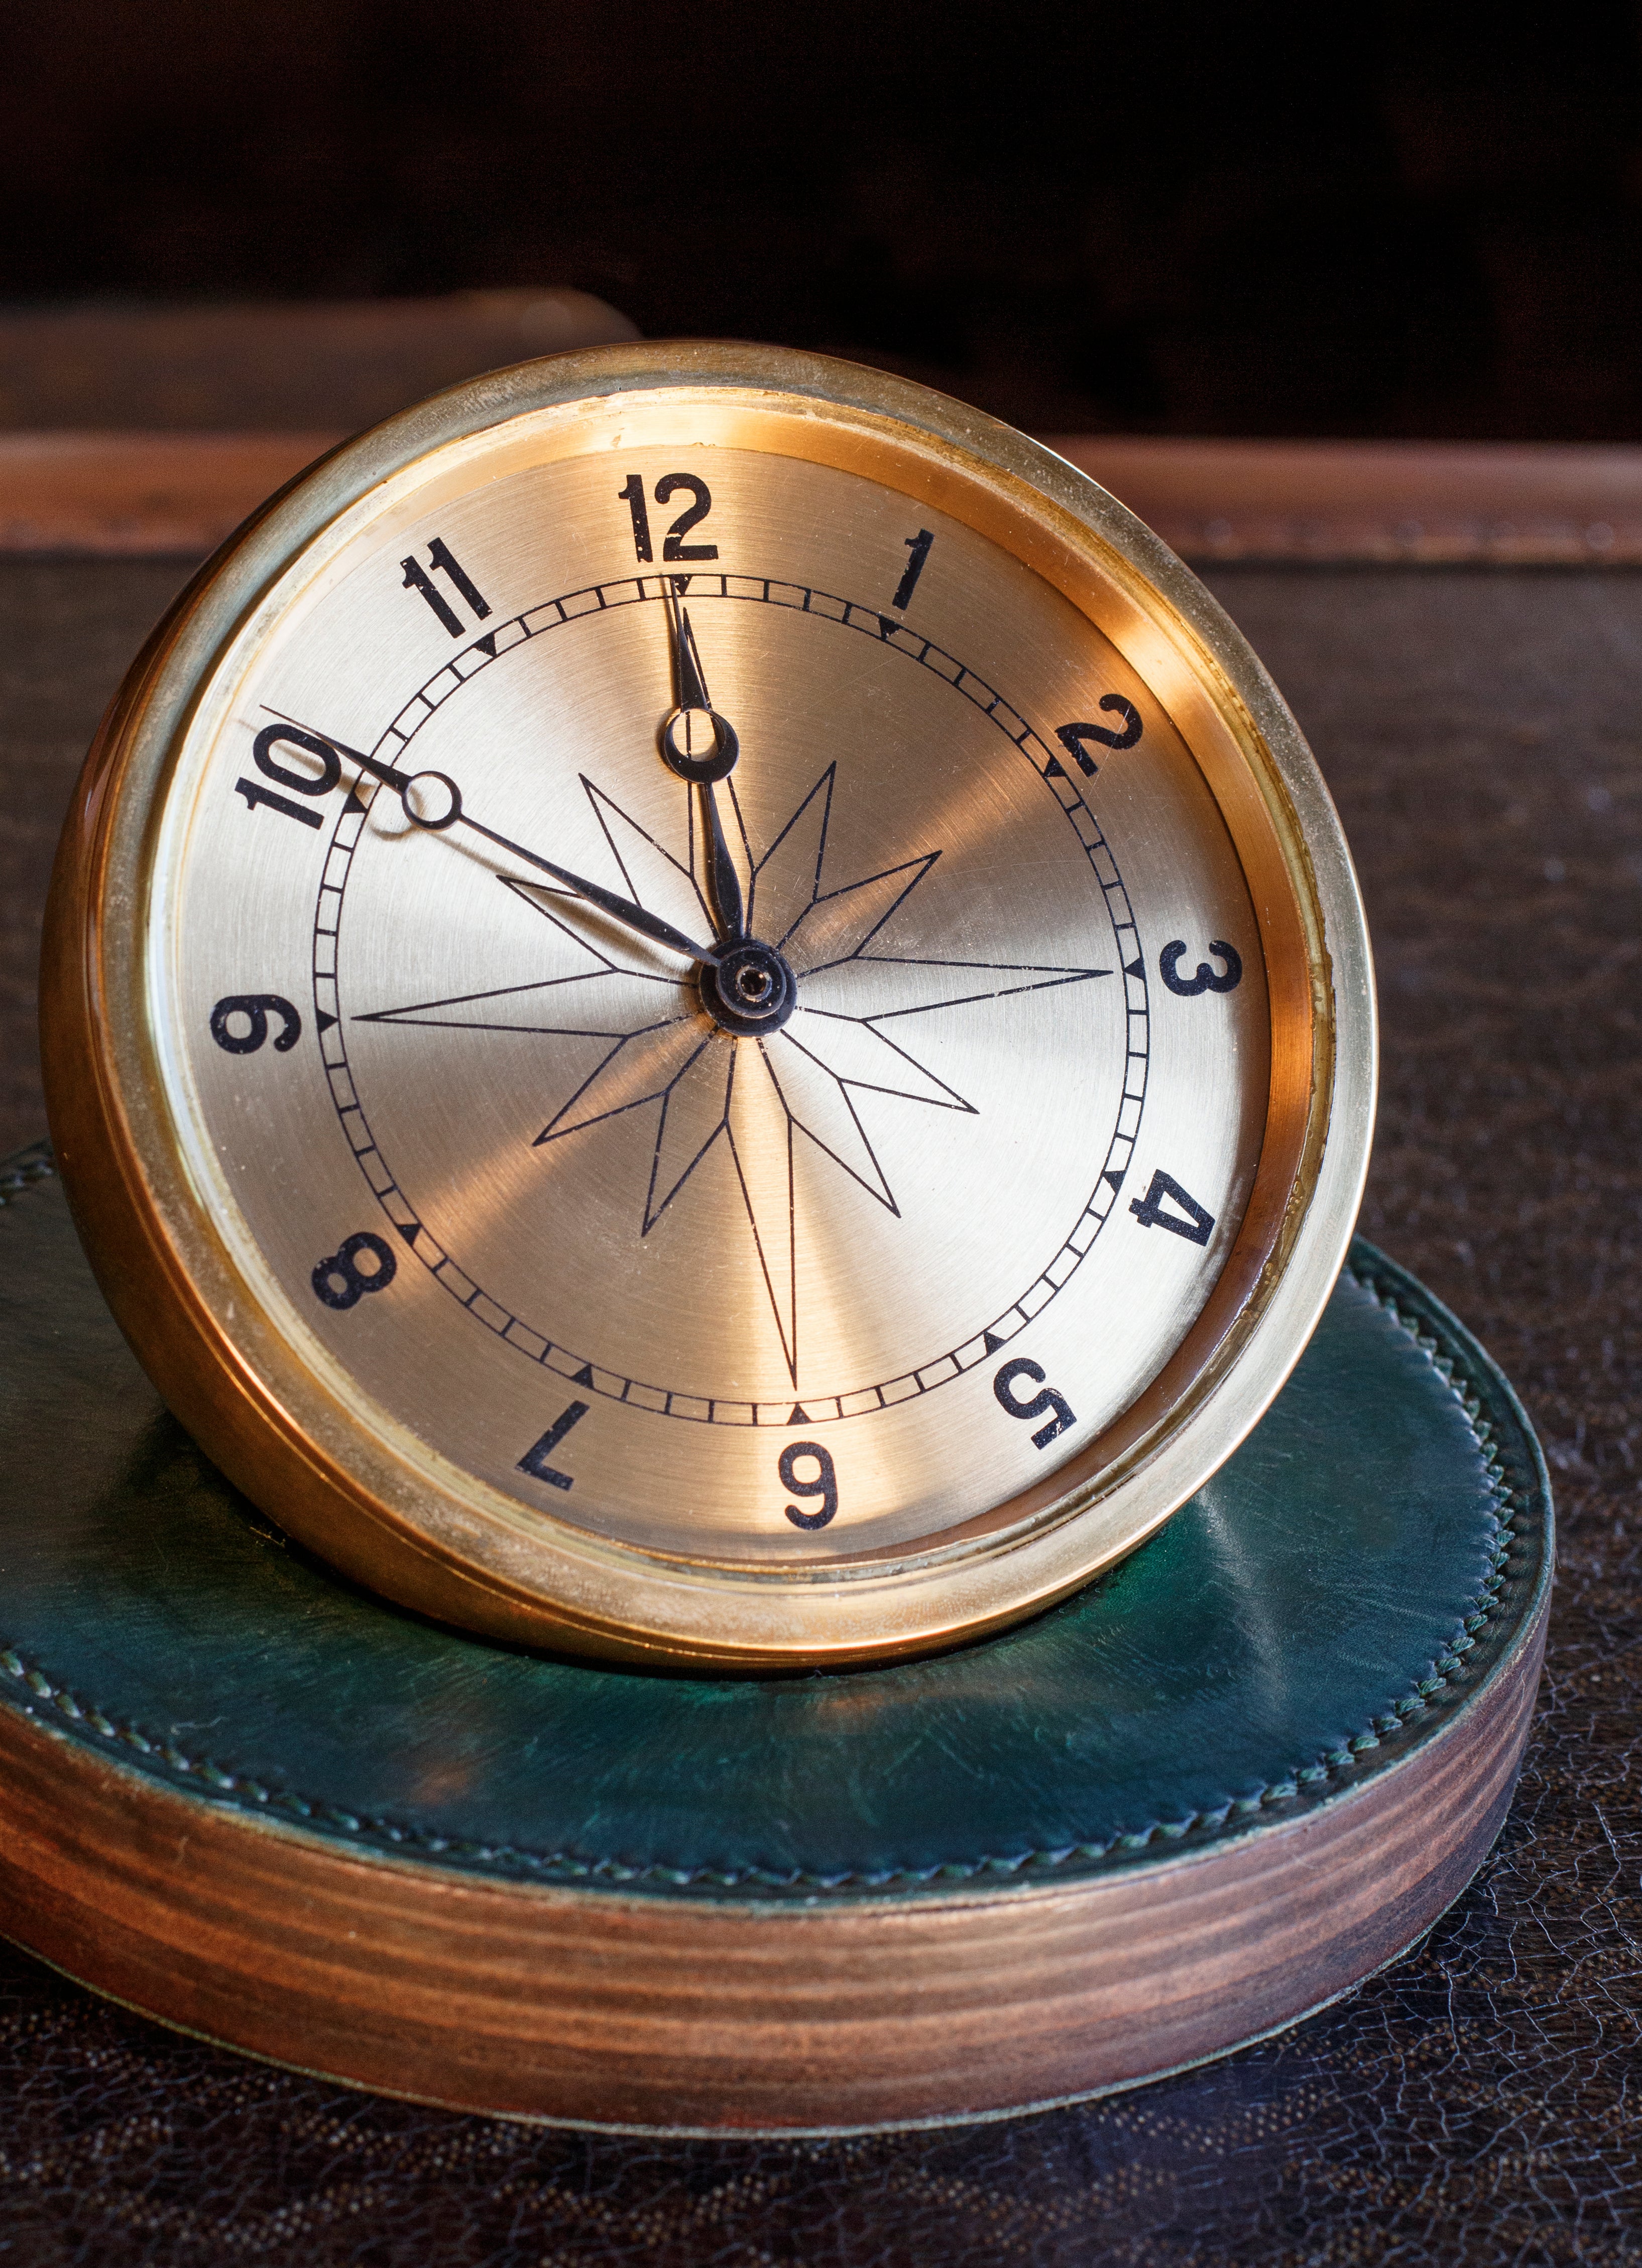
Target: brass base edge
{"type": "Point", "coordinates": [677, 2016]}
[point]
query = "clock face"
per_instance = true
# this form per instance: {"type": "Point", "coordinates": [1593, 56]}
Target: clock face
{"type": "Point", "coordinates": [713, 1004]}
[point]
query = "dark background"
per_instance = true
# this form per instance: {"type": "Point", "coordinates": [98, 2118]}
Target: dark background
{"type": "Point", "coordinates": [1395, 219]}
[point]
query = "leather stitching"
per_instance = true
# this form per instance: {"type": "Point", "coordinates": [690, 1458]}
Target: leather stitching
{"type": "Point", "coordinates": [1513, 1491]}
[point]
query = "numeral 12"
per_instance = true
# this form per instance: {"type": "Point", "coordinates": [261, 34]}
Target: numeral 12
{"type": "Point", "coordinates": [919, 545]}
{"type": "Point", "coordinates": [667, 488]}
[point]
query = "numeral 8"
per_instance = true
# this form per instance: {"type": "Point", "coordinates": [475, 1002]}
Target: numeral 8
{"type": "Point", "coordinates": [340, 1282]}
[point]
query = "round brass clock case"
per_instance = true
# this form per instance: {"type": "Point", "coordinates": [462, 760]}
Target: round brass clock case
{"type": "Point", "coordinates": [700, 1007]}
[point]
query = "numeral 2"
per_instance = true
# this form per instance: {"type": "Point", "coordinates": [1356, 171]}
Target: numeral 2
{"type": "Point", "coordinates": [1072, 737]}
{"type": "Point", "coordinates": [442, 561]}
{"type": "Point", "coordinates": [667, 488]}
{"type": "Point", "coordinates": [1003, 1387]}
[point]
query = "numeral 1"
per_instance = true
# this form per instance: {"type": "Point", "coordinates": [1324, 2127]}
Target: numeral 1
{"type": "Point", "coordinates": [443, 561]}
{"type": "Point", "coordinates": [919, 545]}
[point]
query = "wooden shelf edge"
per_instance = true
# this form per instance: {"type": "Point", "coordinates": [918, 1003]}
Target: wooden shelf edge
{"type": "Point", "coordinates": [100, 495]}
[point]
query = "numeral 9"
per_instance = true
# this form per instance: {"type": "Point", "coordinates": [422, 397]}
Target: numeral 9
{"type": "Point", "coordinates": [254, 1008]}
{"type": "Point", "coordinates": [825, 1484]}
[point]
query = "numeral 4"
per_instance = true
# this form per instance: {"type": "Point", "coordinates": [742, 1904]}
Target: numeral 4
{"type": "Point", "coordinates": [1190, 1220]}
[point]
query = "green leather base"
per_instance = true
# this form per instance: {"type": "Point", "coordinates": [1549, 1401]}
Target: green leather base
{"type": "Point", "coordinates": [1316, 1613]}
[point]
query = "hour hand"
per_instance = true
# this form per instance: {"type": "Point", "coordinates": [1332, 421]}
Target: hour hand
{"type": "Point", "coordinates": [697, 743]}
{"type": "Point", "coordinates": [432, 800]}
{"type": "Point", "coordinates": [700, 746]}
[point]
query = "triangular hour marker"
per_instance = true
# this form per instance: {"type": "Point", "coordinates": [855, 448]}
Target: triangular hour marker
{"type": "Point", "coordinates": [1054, 769]}
{"type": "Point", "coordinates": [409, 1229]}
{"type": "Point", "coordinates": [992, 1342]}
{"type": "Point", "coordinates": [353, 803]}
{"type": "Point", "coordinates": [1116, 1179]}
{"type": "Point", "coordinates": [800, 1417]}
{"type": "Point", "coordinates": [486, 645]}
{"type": "Point", "coordinates": [1136, 968]}
{"type": "Point", "coordinates": [584, 1376]}
{"type": "Point", "coordinates": [322, 1020]}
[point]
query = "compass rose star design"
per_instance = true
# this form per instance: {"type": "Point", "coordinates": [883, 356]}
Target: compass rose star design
{"type": "Point", "coordinates": [852, 1031]}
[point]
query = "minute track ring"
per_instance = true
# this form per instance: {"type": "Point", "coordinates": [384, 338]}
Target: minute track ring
{"type": "Point", "coordinates": [581, 1369]}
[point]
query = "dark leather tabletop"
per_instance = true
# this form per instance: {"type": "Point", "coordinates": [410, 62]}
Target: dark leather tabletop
{"type": "Point", "coordinates": [1473, 2103]}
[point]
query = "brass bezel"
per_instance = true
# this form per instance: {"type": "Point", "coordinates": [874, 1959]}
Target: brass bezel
{"type": "Point", "coordinates": [436, 1543]}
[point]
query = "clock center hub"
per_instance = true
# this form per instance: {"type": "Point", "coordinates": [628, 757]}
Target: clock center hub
{"type": "Point", "coordinates": [751, 992]}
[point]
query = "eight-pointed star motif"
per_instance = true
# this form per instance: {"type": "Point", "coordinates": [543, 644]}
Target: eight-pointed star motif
{"type": "Point", "coordinates": [756, 1096]}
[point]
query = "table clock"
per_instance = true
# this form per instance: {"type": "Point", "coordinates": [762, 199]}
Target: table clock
{"type": "Point", "coordinates": [701, 1010]}
{"type": "Point", "coordinates": [713, 1036]}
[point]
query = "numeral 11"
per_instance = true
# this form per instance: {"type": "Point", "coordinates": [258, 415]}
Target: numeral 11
{"type": "Point", "coordinates": [443, 561]}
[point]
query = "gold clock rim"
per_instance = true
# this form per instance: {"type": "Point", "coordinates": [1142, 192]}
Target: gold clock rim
{"type": "Point", "coordinates": [293, 1445]}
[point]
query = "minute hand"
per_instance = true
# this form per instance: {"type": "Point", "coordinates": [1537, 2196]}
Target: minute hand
{"type": "Point", "coordinates": [620, 908]}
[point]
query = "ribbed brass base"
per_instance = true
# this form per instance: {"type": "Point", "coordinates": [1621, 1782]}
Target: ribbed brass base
{"type": "Point", "coordinates": [1203, 1798]}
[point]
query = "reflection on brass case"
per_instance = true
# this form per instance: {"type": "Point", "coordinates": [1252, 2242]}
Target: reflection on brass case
{"type": "Point", "coordinates": [793, 1206]}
